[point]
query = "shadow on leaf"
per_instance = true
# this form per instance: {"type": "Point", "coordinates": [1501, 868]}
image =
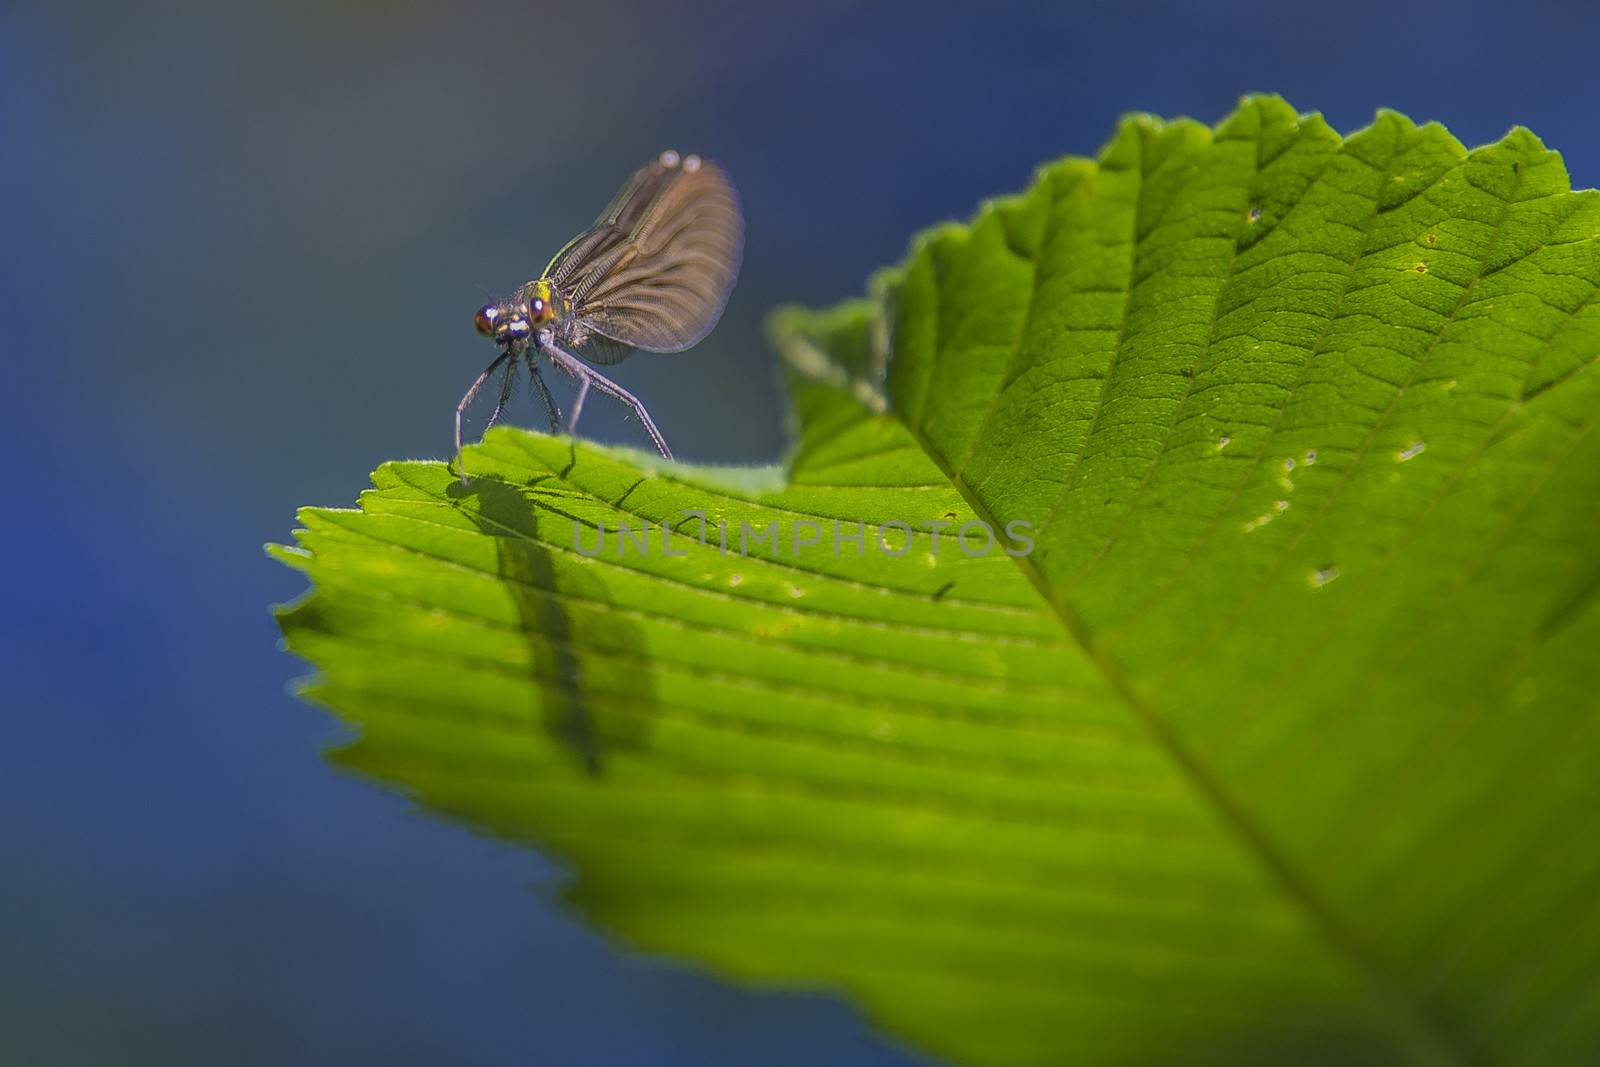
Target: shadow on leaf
{"type": "Point", "coordinates": [591, 701]}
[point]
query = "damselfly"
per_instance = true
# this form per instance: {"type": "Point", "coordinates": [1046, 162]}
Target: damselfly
{"type": "Point", "coordinates": [653, 272]}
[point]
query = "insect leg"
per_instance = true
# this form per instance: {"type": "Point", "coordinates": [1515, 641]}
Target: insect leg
{"type": "Point", "coordinates": [466, 400]}
{"type": "Point", "coordinates": [544, 394]}
{"type": "Point", "coordinates": [588, 376]}
{"type": "Point", "coordinates": [505, 395]}
{"type": "Point", "coordinates": [577, 405]}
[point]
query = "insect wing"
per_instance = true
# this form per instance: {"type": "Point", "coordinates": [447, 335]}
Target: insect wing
{"type": "Point", "coordinates": [602, 350]}
{"type": "Point", "coordinates": [582, 255]}
{"type": "Point", "coordinates": [656, 269]}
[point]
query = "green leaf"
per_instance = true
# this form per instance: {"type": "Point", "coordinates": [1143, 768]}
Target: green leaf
{"type": "Point", "coordinates": [1281, 744]}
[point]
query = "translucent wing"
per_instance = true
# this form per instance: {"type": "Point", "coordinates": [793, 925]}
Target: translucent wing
{"type": "Point", "coordinates": [602, 350]}
{"type": "Point", "coordinates": [656, 269]}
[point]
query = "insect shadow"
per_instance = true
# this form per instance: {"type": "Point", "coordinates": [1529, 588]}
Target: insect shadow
{"type": "Point", "coordinates": [583, 656]}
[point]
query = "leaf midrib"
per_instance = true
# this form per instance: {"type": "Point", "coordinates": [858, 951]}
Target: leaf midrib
{"type": "Point", "coordinates": [1392, 996]}
{"type": "Point", "coordinates": [1388, 993]}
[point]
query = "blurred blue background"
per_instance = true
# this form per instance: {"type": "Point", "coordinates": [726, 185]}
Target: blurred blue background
{"type": "Point", "coordinates": [242, 247]}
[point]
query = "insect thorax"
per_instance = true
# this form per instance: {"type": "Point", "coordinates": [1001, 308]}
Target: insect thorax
{"type": "Point", "coordinates": [543, 304]}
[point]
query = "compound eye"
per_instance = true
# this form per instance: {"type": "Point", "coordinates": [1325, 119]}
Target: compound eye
{"type": "Point", "coordinates": [538, 311]}
{"type": "Point", "coordinates": [484, 320]}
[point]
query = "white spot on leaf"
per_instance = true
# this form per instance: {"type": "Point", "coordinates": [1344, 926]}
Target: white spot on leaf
{"type": "Point", "coordinates": [1265, 517]}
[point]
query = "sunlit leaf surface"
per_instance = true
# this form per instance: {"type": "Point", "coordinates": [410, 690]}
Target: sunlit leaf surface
{"type": "Point", "coordinates": [1281, 746]}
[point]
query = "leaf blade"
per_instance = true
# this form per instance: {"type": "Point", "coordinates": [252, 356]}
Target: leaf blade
{"type": "Point", "coordinates": [1126, 799]}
